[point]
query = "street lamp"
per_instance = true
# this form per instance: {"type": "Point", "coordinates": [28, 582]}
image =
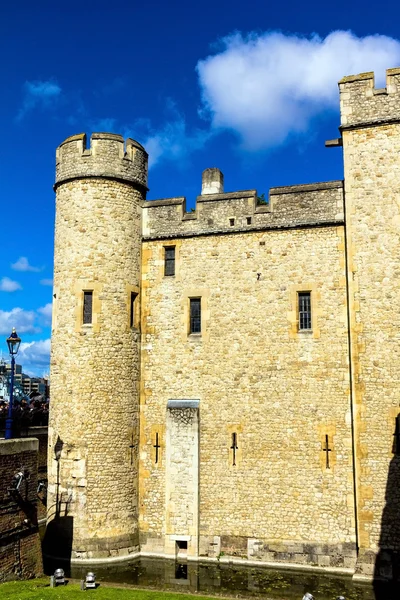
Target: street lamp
{"type": "Point", "coordinates": [13, 343]}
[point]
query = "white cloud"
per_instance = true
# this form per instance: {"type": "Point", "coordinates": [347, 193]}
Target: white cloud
{"type": "Point", "coordinates": [22, 264]}
{"type": "Point", "coordinates": [46, 312]}
{"type": "Point", "coordinates": [46, 282]}
{"type": "Point", "coordinates": [8, 285]}
{"type": "Point", "coordinates": [265, 87]}
{"type": "Point", "coordinates": [41, 94]}
{"type": "Point", "coordinates": [22, 320]}
{"type": "Point", "coordinates": [34, 356]}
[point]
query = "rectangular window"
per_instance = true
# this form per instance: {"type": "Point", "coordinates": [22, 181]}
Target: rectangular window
{"type": "Point", "coordinates": [132, 309]}
{"type": "Point", "coordinates": [304, 310]}
{"type": "Point", "coordinates": [195, 315]}
{"type": "Point", "coordinates": [87, 307]}
{"type": "Point", "coordinates": [169, 266]}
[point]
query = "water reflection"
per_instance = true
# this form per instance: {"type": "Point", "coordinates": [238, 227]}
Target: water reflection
{"type": "Point", "coordinates": [231, 580]}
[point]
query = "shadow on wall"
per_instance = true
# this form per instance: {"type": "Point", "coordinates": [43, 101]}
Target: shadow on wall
{"type": "Point", "coordinates": [57, 541]}
{"type": "Point", "coordinates": [387, 563]}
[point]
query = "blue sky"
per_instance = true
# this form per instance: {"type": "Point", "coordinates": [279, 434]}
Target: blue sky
{"type": "Point", "coordinates": [249, 87]}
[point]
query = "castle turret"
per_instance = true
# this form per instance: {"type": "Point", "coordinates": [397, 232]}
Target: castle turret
{"type": "Point", "coordinates": [93, 431]}
{"type": "Point", "coordinates": [370, 120]}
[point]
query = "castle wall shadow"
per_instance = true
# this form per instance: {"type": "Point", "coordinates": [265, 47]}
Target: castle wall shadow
{"type": "Point", "coordinates": [57, 541]}
{"type": "Point", "coordinates": [387, 562]}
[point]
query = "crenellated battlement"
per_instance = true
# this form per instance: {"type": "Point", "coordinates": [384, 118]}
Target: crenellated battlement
{"type": "Point", "coordinates": [362, 104]}
{"type": "Point", "coordinates": [288, 207]}
{"type": "Point", "coordinates": [108, 156]}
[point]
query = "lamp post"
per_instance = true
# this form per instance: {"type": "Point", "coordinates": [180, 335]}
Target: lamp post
{"type": "Point", "coordinates": [13, 343]}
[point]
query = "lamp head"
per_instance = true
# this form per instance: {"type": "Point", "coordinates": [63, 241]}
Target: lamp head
{"type": "Point", "coordinates": [13, 343]}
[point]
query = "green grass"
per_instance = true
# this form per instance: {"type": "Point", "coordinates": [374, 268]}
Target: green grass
{"type": "Point", "coordinates": [39, 589]}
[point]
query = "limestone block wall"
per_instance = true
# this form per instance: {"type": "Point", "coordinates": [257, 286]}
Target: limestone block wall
{"type": "Point", "coordinates": [238, 211]}
{"type": "Point", "coordinates": [20, 551]}
{"type": "Point", "coordinates": [93, 428]}
{"type": "Point", "coordinates": [107, 156]}
{"type": "Point", "coordinates": [361, 102]}
{"type": "Point", "coordinates": [372, 178]}
{"type": "Point", "coordinates": [279, 390]}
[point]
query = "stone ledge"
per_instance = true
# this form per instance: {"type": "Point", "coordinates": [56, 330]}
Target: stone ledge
{"type": "Point", "coordinates": [371, 123]}
{"type": "Point", "coordinates": [359, 77]}
{"type": "Point", "coordinates": [306, 187]}
{"type": "Point", "coordinates": [164, 202]}
{"type": "Point", "coordinates": [231, 231]}
{"type": "Point", "coordinates": [19, 445]}
{"type": "Point", "coordinates": [227, 196]}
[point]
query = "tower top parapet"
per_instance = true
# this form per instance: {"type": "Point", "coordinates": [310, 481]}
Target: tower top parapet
{"type": "Point", "coordinates": [108, 156]}
{"type": "Point", "coordinates": [361, 104]}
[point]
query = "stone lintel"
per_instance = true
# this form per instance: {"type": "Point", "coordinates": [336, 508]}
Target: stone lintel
{"type": "Point", "coordinates": [183, 403]}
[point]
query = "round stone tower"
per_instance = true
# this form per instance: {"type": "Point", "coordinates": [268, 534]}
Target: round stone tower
{"type": "Point", "coordinates": [93, 429]}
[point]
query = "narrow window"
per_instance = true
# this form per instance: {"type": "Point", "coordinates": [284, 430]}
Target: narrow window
{"type": "Point", "coordinates": [304, 309]}
{"type": "Point", "coordinates": [327, 450]}
{"type": "Point", "coordinates": [157, 447]}
{"type": "Point", "coordinates": [248, 220]}
{"type": "Point", "coordinates": [231, 222]}
{"type": "Point", "coordinates": [234, 448]}
{"type": "Point", "coordinates": [132, 309]}
{"type": "Point", "coordinates": [87, 307]}
{"type": "Point", "coordinates": [169, 265]}
{"type": "Point", "coordinates": [195, 315]}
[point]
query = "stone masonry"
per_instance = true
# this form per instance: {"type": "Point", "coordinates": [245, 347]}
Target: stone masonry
{"type": "Point", "coordinates": [93, 433]}
{"type": "Point", "coordinates": [284, 449]}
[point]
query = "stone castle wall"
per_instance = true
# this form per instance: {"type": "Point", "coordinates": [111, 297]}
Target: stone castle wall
{"type": "Point", "coordinates": [280, 390]}
{"type": "Point", "coordinates": [93, 428]}
{"type": "Point", "coordinates": [108, 156]}
{"type": "Point", "coordinates": [291, 454]}
{"type": "Point", "coordinates": [372, 183]}
{"type": "Point", "coordinates": [361, 103]}
{"type": "Point", "coordinates": [292, 206]}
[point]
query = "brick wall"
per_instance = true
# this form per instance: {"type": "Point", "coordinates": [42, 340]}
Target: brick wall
{"type": "Point", "coordinates": [20, 550]}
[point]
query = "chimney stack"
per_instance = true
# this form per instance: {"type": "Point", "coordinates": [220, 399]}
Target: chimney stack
{"type": "Point", "coordinates": [212, 182]}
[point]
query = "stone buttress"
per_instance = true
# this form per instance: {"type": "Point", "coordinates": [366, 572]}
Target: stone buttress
{"type": "Point", "coordinates": [92, 500]}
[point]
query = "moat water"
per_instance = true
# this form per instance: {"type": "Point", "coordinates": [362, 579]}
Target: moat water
{"type": "Point", "coordinates": [231, 580]}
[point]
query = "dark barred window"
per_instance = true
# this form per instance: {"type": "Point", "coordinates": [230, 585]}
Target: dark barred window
{"type": "Point", "coordinates": [304, 304]}
{"type": "Point", "coordinates": [169, 266]}
{"type": "Point", "coordinates": [195, 315]}
{"type": "Point", "coordinates": [87, 307]}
